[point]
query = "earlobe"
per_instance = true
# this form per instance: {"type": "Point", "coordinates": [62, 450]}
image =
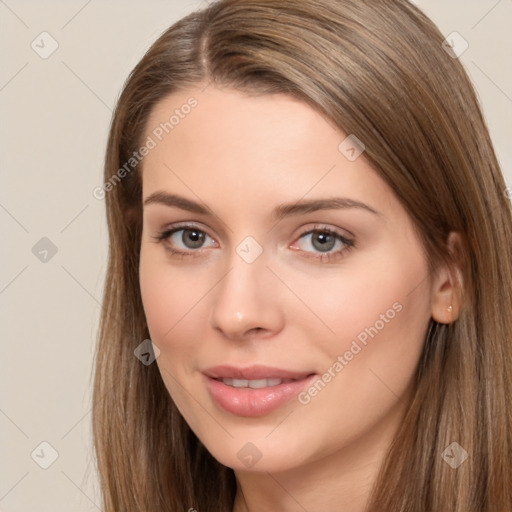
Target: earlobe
{"type": "Point", "coordinates": [447, 285]}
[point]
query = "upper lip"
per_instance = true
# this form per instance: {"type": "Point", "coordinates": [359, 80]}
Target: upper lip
{"type": "Point", "coordinates": [254, 372]}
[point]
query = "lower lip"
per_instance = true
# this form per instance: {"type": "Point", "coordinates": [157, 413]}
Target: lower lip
{"type": "Point", "coordinates": [255, 402]}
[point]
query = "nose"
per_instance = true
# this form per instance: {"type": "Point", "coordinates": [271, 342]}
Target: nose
{"type": "Point", "coordinates": [247, 302]}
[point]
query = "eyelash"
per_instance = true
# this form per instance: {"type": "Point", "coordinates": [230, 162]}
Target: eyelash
{"type": "Point", "coordinates": [322, 257]}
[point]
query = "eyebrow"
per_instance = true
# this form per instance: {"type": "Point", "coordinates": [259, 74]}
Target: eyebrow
{"type": "Point", "coordinates": [283, 210]}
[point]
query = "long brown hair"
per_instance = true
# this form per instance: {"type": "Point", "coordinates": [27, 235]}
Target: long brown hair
{"type": "Point", "coordinates": [377, 70]}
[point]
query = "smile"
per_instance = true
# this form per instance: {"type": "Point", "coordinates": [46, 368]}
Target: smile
{"type": "Point", "coordinates": [256, 390]}
{"type": "Point", "coordinates": [254, 384]}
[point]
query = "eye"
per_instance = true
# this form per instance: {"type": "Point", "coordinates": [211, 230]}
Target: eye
{"type": "Point", "coordinates": [319, 242]}
{"type": "Point", "coordinates": [184, 240]}
{"type": "Point", "coordinates": [192, 238]}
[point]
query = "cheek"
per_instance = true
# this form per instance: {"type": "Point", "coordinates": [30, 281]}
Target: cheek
{"type": "Point", "coordinates": [159, 298]}
{"type": "Point", "coordinates": [171, 302]}
{"type": "Point", "coordinates": [379, 312]}
{"type": "Point", "coordinates": [169, 296]}
{"type": "Point", "coordinates": [373, 298]}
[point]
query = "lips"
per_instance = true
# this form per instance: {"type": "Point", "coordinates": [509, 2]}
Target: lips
{"type": "Point", "coordinates": [254, 372]}
{"type": "Point", "coordinates": [255, 390]}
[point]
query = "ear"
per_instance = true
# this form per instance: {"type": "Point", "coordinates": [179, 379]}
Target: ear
{"type": "Point", "coordinates": [447, 285]}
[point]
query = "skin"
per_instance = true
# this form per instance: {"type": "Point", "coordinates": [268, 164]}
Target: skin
{"type": "Point", "coordinates": [242, 156]}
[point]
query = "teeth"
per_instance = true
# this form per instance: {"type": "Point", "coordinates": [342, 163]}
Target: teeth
{"type": "Point", "coordinates": [254, 384]}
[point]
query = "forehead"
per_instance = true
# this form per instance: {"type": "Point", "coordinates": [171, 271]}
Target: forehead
{"type": "Point", "coordinates": [227, 119]}
{"type": "Point", "coordinates": [221, 142]}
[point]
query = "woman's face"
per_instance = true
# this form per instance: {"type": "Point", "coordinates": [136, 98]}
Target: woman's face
{"type": "Point", "coordinates": [292, 315]}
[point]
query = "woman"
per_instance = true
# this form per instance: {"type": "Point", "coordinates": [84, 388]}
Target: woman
{"type": "Point", "coordinates": [308, 221]}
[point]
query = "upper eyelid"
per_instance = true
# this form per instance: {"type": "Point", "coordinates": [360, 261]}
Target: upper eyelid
{"type": "Point", "coordinates": [185, 225]}
{"type": "Point", "coordinates": [322, 227]}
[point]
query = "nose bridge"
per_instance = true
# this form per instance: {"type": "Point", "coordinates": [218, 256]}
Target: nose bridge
{"type": "Point", "coordinates": [245, 298]}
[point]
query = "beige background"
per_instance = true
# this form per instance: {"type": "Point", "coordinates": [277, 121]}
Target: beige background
{"type": "Point", "coordinates": [56, 112]}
